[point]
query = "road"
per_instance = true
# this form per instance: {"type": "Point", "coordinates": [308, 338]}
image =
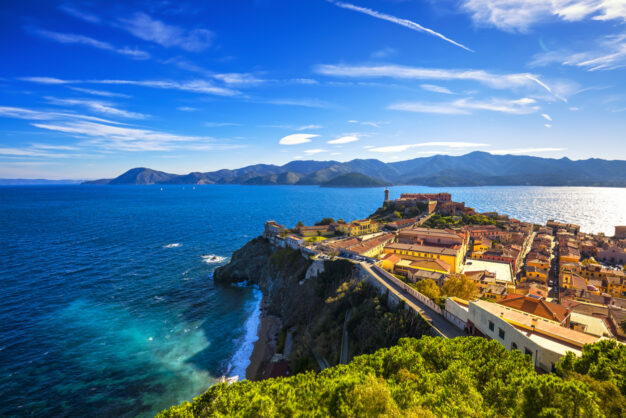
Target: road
{"type": "Point", "coordinates": [440, 325]}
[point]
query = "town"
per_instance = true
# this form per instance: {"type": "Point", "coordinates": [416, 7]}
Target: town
{"type": "Point", "coordinates": [542, 289]}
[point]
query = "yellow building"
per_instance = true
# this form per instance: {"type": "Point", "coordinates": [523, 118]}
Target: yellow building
{"type": "Point", "coordinates": [538, 263]}
{"type": "Point", "coordinates": [479, 246]}
{"type": "Point", "coordinates": [450, 256]}
{"type": "Point", "coordinates": [535, 273]}
{"type": "Point", "coordinates": [360, 227]}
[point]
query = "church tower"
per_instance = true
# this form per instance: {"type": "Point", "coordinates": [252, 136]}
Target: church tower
{"type": "Point", "coordinates": [386, 194]}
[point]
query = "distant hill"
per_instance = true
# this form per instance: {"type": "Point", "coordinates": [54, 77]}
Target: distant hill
{"type": "Point", "coordinates": [473, 169]}
{"type": "Point", "coordinates": [353, 180]}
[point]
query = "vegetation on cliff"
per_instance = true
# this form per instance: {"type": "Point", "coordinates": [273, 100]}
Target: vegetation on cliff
{"type": "Point", "coordinates": [432, 376]}
{"type": "Point", "coordinates": [440, 221]}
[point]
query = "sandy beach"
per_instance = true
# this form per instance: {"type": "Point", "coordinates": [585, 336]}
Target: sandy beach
{"type": "Point", "coordinates": [265, 346]}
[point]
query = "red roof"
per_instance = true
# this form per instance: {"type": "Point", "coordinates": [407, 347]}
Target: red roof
{"type": "Point", "coordinates": [536, 306]}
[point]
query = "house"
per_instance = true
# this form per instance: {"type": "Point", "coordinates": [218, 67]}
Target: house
{"type": "Point", "coordinates": [546, 341]}
{"type": "Point", "coordinates": [316, 231]}
{"type": "Point", "coordinates": [613, 254]}
{"type": "Point", "coordinates": [433, 237]}
{"type": "Point", "coordinates": [359, 227]}
{"type": "Point", "coordinates": [537, 274]}
{"type": "Point", "coordinates": [371, 247]}
{"type": "Point", "coordinates": [536, 305]}
{"type": "Point", "coordinates": [293, 242]}
{"type": "Point", "coordinates": [272, 230]}
{"type": "Point", "coordinates": [452, 256]}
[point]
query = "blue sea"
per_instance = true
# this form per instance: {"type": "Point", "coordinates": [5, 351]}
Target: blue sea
{"type": "Point", "coordinates": [108, 303]}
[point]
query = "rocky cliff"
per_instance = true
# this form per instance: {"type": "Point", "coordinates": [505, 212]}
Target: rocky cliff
{"type": "Point", "coordinates": [323, 310]}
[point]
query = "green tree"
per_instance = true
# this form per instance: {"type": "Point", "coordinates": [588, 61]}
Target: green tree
{"type": "Point", "coordinates": [428, 288]}
{"type": "Point", "coordinates": [325, 221]}
{"type": "Point", "coordinates": [622, 325]}
{"type": "Point", "coordinates": [460, 286]}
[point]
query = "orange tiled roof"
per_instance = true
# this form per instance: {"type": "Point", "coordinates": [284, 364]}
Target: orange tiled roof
{"type": "Point", "coordinates": [535, 306]}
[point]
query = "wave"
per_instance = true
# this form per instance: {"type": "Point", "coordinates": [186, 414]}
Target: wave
{"type": "Point", "coordinates": [174, 245]}
{"type": "Point", "coordinates": [212, 258]}
{"type": "Point", "coordinates": [241, 359]}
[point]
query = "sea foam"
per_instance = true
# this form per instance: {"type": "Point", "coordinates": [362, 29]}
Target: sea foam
{"type": "Point", "coordinates": [213, 259]}
{"type": "Point", "coordinates": [174, 245]}
{"type": "Point", "coordinates": [241, 359]}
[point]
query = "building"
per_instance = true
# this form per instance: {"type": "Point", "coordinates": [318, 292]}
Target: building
{"type": "Point", "coordinates": [452, 256]}
{"type": "Point", "coordinates": [434, 237]}
{"type": "Point", "coordinates": [620, 232]}
{"type": "Point", "coordinates": [359, 227]}
{"type": "Point", "coordinates": [272, 230]}
{"type": "Point", "coordinates": [293, 242]}
{"type": "Point", "coordinates": [438, 197]}
{"type": "Point", "coordinates": [316, 231]}
{"type": "Point", "coordinates": [370, 248]}
{"type": "Point", "coordinates": [612, 254]}
{"type": "Point", "coordinates": [536, 305]}
{"type": "Point", "coordinates": [555, 226]}
{"type": "Point", "coordinates": [544, 340]}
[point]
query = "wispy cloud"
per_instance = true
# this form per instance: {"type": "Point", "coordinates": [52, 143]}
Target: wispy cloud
{"type": "Point", "coordinates": [493, 80]}
{"type": "Point", "coordinates": [47, 80]}
{"type": "Point", "coordinates": [186, 108]}
{"type": "Point", "coordinates": [80, 14]}
{"type": "Point", "coordinates": [344, 139]}
{"type": "Point", "coordinates": [147, 28]}
{"type": "Point", "coordinates": [97, 106]}
{"type": "Point", "coordinates": [520, 15]}
{"type": "Point", "coordinates": [546, 117]}
{"type": "Point", "coordinates": [608, 53]}
{"type": "Point", "coordinates": [195, 86]}
{"type": "Point", "coordinates": [296, 139]}
{"type": "Point", "coordinates": [368, 123]}
{"type": "Point", "coordinates": [71, 38]}
{"type": "Point", "coordinates": [446, 144]}
{"type": "Point", "coordinates": [314, 103]}
{"type": "Point", "coordinates": [383, 53]}
{"type": "Point", "coordinates": [547, 125]}
{"type": "Point", "coordinates": [436, 89]}
{"type": "Point", "coordinates": [307, 127]}
{"type": "Point", "coordinates": [521, 106]}
{"type": "Point", "coordinates": [399, 21]}
{"type": "Point", "coordinates": [98, 92]}
{"type": "Point", "coordinates": [96, 133]}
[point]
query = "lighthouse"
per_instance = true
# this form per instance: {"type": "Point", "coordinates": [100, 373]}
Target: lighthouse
{"type": "Point", "coordinates": [386, 194]}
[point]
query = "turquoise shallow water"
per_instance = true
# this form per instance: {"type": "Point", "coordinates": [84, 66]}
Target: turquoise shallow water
{"type": "Point", "coordinates": [108, 307]}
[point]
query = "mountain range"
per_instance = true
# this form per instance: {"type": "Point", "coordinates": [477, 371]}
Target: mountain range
{"type": "Point", "coordinates": [473, 169]}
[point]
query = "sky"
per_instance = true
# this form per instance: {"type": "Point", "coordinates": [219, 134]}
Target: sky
{"type": "Point", "coordinates": [91, 89]}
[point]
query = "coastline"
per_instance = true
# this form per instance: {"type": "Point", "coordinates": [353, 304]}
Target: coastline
{"type": "Point", "coordinates": [265, 345]}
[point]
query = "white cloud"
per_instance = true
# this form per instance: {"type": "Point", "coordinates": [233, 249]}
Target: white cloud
{"type": "Point", "coordinates": [105, 135]}
{"type": "Point", "coordinates": [520, 15]}
{"type": "Point", "coordinates": [405, 147]}
{"type": "Point", "coordinates": [547, 125]}
{"type": "Point", "coordinates": [145, 27]}
{"type": "Point", "coordinates": [98, 92]}
{"type": "Point", "coordinates": [574, 109]}
{"type": "Point", "coordinates": [314, 151]}
{"type": "Point", "coordinates": [608, 53]}
{"type": "Point", "coordinates": [186, 108]}
{"type": "Point", "coordinates": [335, 153]}
{"type": "Point", "coordinates": [403, 22]}
{"type": "Point", "coordinates": [368, 123]}
{"type": "Point", "coordinates": [97, 106]}
{"type": "Point", "coordinates": [496, 81]}
{"type": "Point", "coordinates": [307, 127]}
{"type": "Point", "coordinates": [344, 139]}
{"type": "Point", "coordinates": [46, 80]}
{"type": "Point", "coordinates": [71, 38]}
{"type": "Point", "coordinates": [436, 89]}
{"type": "Point", "coordinates": [466, 106]}
{"type": "Point", "coordinates": [546, 117]}
{"type": "Point", "coordinates": [516, 151]}
{"type": "Point", "coordinates": [195, 86]}
{"type": "Point", "coordinates": [314, 103]}
{"type": "Point", "coordinates": [80, 14]}
{"type": "Point", "coordinates": [383, 53]}
{"type": "Point", "coordinates": [296, 139]}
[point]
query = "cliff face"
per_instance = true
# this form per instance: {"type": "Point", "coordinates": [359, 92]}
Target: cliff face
{"type": "Point", "coordinates": [277, 272]}
{"type": "Point", "coordinates": [329, 314]}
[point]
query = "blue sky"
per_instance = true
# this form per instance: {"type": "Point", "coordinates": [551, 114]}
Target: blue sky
{"type": "Point", "coordinates": [90, 89]}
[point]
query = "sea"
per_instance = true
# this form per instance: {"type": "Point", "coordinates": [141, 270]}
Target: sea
{"type": "Point", "coordinates": [108, 307]}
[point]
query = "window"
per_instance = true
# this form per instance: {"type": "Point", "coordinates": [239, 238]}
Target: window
{"type": "Point", "coordinates": [491, 326]}
{"type": "Point", "coordinates": [501, 333]}
{"type": "Point", "coordinates": [513, 346]}
{"type": "Point", "coordinates": [528, 352]}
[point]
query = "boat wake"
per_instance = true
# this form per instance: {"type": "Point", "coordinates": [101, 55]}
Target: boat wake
{"type": "Point", "coordinates": [212, 258]}
{"type": "Point", "coordinates": [174, 245]}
